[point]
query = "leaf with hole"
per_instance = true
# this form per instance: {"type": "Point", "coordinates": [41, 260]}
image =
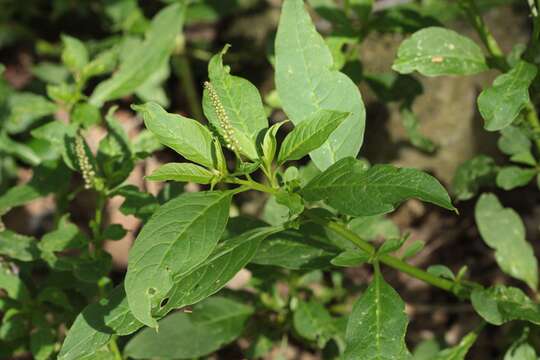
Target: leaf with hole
{"type": "Point", "coordinates": [181, 234]}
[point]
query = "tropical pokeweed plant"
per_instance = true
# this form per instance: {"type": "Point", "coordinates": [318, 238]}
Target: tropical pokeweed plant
{"type": "Point", "coordinates": [319, 217]}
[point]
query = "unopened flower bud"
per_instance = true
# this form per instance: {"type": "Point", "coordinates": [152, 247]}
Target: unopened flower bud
{"type": "Point", "coordinates": [228, 131]}
{"type": "Point", "coordinates": [87, 171]}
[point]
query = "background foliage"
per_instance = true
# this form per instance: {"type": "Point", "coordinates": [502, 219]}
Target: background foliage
{"type": "Point", "coordinates": [325, 179]}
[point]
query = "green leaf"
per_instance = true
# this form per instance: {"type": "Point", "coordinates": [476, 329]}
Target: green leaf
{"type": "Point", "coordinates": [55, 296]}
{"type": "Point", "coordinates": [520, 350]}
{"type": "Point", "coordinates": [64, 93]}
{"type": "Point", "coordinates": [303, 249]}
{"type": "Point", "coordinates": [459, 351]}
{"type": "Point", "coordinates": [98, 322]}
{"type": "Point", "coordinates": [13, 286]}
{"type": "Point", "coordinates": [146, 58]}
{"type": "Point", "coordinates": [410, 122]}
{"type": "Point", "coordinates": [114, 156]}
{"type": "Point", "coordinates": [54, 132]}
{"type": "Point", "coordinates": [310, 134]}
{"type": "Point", "coordinates": [74, 54]}
{"type": "Point", "coordinates": [182, 172]}
{"type": "Point", "coordinates": [426, 350]}
{"type": "Point", "coordinates": [377, 324]}
{"type": "Point", "coordinates": [292, 201]}
{"type": "Point", "coordinates": [500, 104]}
{"type": "Point", "coordinates": [180, 235]}
{"type": "Point", "coordinates": [25, 110]}
{"type": "Point", "coordinates": [413, 249]}
{"type": "Point", "coordinates": [374, 227]}
{"type": "Point", "coordinates": [230, 256]}
{"type": "Point", "coordinates": [307, 82]}
{"type": "Point", "coordinates": [241, 102]}
{"type": "Point", "coordinates": [350, 258]}
{"type": "Point", "coordinates": [48, 177]}
{"type": "Point", "coordinates": [352, 190]}
{"type": "Point", "coordinates": [91, 269]}
{"type": "Point", "coordinates": [502, 229]}
{"type": "Point", "coordinates": [152, 89]}
{"type": "Point", "coordinates": [50, 72]}
{"type": "Point", "coordinates": [441, 271]}
{"type": "Point", "coordinates": [436, 51]}
{"type": "Point", "coordinates": [137, 203]}
{"type": "Point", "coordinates": [362, 8]}
{"type": "Point", "coordinates": [511, 177]}
{"type": "Point", "coordinates": [313, 322]}
{"type": "Point", "coordinates": [104, 63]}
{"type": "Point", "coordinates": [14, 326]}
{"type": "Point", "coordinates": [66, 236]}
{"type": "Point", "coordinates": [214, 322]}
{"type": "Point", "coordinates": [19, 150]}
{"type": "Point", "coordinates": [514, 140]}
{"type": "Point", "coordinates": [391, 86]}
{"type": "Point", "coordinates": [18, 247]}
{"type": "Point", "coordinates": [269, 145]}
{"type": "Point", "coordinates": [500, 304]}
{"type": "Point", "coordinates": [42, 342]}
{"type": "Point", "coordinates": [274, 213]}
{"type": "Point", "coordinates": [85, 114]}
{"type": "Point", "coordinates": [114, 232]}
{"type": "Point", "coordinates": [391, 245]}
{"type": "Point", "coordinates": [472, 175]}
{"type": "Point", "coordinates": [187, 137]}
{"type": "Point", "coordinates": [145, 144]}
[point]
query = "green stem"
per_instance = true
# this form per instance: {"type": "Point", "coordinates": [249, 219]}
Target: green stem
{"type": "Point", "coordinates": [253, 185]}
{"type": "Point", "coordinates": [182, 66]}
{"type": "Point", "coordinates": [444, 284]}
{"type": "Point", "coordinates": [114, 348]}
{"type": "Point", "coordinates": [472, 11]}
{"type": "Point", "coordinates": [532, 118]}
{"type": "Point", "coordinates": [270, 175]}
{"type": "Point", "coordinates": [97, 221]}
{"type": "Point", "coordinates": [346, 6]}
{"type": "Point", "coordinates": [499, 60]}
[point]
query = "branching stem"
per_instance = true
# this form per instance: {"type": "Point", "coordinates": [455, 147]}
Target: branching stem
{"type": "Point", "coordinates": [453, 287]}
{"type": "Point", "coordinates": [459, 289]}
{"type": "Point", "coordinates": [498, 57]}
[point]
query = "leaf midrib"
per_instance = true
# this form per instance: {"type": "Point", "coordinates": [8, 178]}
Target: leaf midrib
{"type": "Point", "coordinates": [184, 230]}
{"type": "Point", "coordinates": [293, 148]}
{"type": "Point", "coordinates": [317, 102]}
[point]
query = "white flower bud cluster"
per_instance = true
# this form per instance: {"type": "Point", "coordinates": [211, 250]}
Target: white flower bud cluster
{"type": "Point", "coordinates": [87, 171]}
{"type": "Point", "coordinates": [224, 122]}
